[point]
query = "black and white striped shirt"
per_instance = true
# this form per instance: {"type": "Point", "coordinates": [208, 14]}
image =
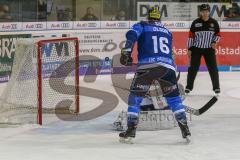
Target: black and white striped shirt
{"type": "Point", "coordinates": [203, 33]}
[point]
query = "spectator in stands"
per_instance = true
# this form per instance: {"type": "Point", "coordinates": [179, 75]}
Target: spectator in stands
{"type": "Point", "coordinates": [236, 7]}
{"type": "Point", "coordinates": [42, 10]}
{"type": "Point", "coordinates": [89, 16]}
{"type": "Point", "coordinates": [4, 13]}
{"type": "Point", "coordinates": [64, 14]}
{"type": "Point", "coordinates": [121, 16]}
{"type": "Point", "coordinates": [233, 13]}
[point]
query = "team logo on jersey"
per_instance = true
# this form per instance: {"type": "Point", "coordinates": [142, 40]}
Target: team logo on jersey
{"type": "Point", "coordinates": [211, 25]}
{"type": "Point", "coordinates": [198, 25]}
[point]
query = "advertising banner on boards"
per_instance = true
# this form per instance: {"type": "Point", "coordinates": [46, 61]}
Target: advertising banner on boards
{"type": "Point", "coordinates": [182, 11]}
{"type": "Point", "coordinates": [7, 52]}
{"type": "Point", "coordinates": [104, 44]}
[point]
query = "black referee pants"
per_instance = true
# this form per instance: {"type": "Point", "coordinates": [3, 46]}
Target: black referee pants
{"type": "Point", "coordinates": [211, 62]}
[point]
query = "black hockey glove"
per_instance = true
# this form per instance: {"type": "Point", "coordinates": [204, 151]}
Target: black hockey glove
{"type": "Point", "coordinates": [126, 58]}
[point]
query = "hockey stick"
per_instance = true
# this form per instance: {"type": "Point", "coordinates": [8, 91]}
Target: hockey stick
{"type": "Point", "coordinates": [178, 76]}
{"type": "Point", "coordinates": [196, 112]}
{"type": "Point", "coordinates": [203, 109]}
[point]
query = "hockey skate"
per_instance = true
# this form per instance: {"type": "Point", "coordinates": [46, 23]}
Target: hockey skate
{"type": "Point", "coordinates": [128, 135]}
{"type": "Point", "coordinates": [185, 130]}
{"type": "Point", "coordinates": [182, 123]}
{"type": "Point", "coordinates": [187, 91]}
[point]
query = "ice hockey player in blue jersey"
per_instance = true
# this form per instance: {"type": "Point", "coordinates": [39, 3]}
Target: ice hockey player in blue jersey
{"type": "Point", "coordinates": [155, 62]}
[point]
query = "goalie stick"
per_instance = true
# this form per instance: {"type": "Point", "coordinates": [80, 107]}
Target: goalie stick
{"type": "Point", "coordinates": [196, 112]}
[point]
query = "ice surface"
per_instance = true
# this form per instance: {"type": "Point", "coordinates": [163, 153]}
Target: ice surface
{"type": "Point", "coordinates": [215, 135]}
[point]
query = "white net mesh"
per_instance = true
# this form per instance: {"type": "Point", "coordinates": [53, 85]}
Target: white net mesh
{"type": "Point", "coordinates": [19, 100]}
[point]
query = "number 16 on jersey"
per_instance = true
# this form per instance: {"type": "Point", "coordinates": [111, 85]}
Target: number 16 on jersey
{"type": "Point", "coordinates": [160, 43]}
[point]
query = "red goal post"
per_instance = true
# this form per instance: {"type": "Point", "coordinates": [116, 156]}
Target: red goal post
{"type": "Point", "coordinates": [40, 44]}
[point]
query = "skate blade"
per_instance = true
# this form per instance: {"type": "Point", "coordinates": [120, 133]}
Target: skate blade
{"type": "Point", "coordinates": [128, 140]}
{"type": "Point", "coordinates": [217, 94]}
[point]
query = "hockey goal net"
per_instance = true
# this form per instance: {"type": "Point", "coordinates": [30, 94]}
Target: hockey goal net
{"type": "Point", "coordinates": [44, 73]}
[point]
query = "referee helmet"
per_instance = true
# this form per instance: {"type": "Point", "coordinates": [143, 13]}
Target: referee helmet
{"type": "Point", "coordinates": [204, 7]}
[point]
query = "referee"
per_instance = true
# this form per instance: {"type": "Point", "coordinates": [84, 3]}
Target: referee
{"type": "Point", "coordinates": [203, 36]}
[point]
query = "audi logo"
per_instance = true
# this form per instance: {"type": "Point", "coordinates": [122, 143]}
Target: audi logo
{"type": "Point", "coordinates": [121, 24]}
{"type": "Point", "coordinates": [92, 25]}
{"type": "Point", "coordinates": [180, 25]}
{"type": "Point", "coordinates": [13, 26]}
{"type": "Point", "coordinates": [39, 25]}
{"type": "Point", "coordinates": [65, 25]}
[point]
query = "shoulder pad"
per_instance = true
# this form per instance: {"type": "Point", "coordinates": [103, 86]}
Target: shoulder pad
{"type": "Point", "coordinates": [143, 22]}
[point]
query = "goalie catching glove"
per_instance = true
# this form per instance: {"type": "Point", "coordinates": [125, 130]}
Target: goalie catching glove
{"type": "Point", "coordinates": [126, 58]}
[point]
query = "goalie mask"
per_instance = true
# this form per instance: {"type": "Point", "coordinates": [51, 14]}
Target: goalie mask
{"type": "Point", "coordinates": [154, 13]}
